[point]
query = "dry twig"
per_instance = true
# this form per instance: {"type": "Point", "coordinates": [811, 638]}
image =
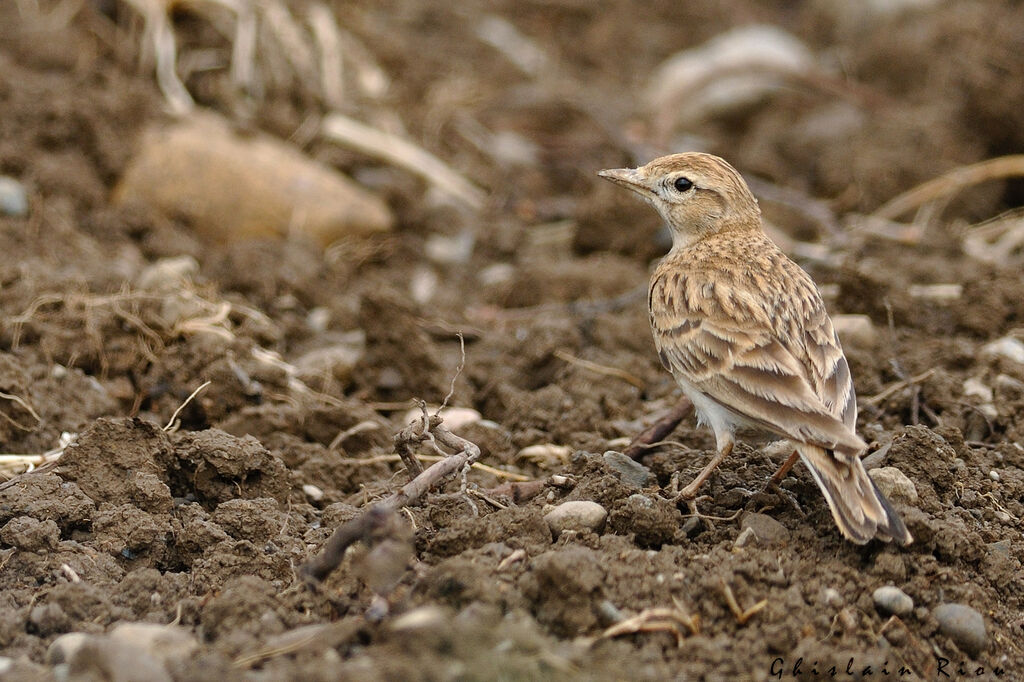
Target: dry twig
{"type": "Point", "coordinates": [402, 153]}
{"type": "Point", "coordinates": [429, 430]}
{"type": "Point", "coordinates": [742, 616]}
{"type": "Point", "coordinates": [171, 426]}
{"type": "Point", "coordinates": [898, 386]}
{"type": "Point", "coordinates": [661, 619]}
{"type": "Point", "coordinates": [951, 183]}
{"type": "Point", "coordinates": [657, 431]}
{"type": "Point", "coordinates": [600, 369]}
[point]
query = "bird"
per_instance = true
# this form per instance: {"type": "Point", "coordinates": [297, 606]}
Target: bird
{"type": "Point", "coordinates": [745, 333]}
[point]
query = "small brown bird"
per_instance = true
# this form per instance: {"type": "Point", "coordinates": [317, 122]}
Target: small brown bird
{"type": "Point", "coordinates": [745, 334]}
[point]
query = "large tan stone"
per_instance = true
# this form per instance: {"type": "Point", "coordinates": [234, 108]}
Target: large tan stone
{"type": "Point", "coordinates": [232, 186]}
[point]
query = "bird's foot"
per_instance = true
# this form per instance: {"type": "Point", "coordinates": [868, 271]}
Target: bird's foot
{"type": "Point", "coordinates": [772, 490]}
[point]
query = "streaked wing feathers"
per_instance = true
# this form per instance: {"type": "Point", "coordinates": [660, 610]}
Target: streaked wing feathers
{"type": "Point", "coordinates": [781, 368]}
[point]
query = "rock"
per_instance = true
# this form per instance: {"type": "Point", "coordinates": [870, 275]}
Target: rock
{"type": "Point", "coordinates": [423, 618]}
{"type": "Point", "coordinates": [454, 417]}
{"type": "Point", "coordinates": [940, 293]}
{"type": "Point", "coordinates": [731, 71]}
{"type": "Point", "coordinates": [167, 274]}
{"type": "Point", "coordinates": [964, 626]}
{"type": "Point", "coordinates": [768, 530]}
{"type": "Point", "coordinates": [64, 647]}
{"type": "Point", "coordinates": [545, 455]}
{"type": "Point", "coordinates": [892, 600]}
{"type": "Point", "coordinates": [334, 362]}
{"type": "Point", "coordinates": [630, 472]}
{"type": "Point", "coordinates": [30, 535]}
{"type": "Point", "coordinates": [13, 198]}
{"type": "Point", "coordinates": [831, 597]}
{"type": "Point", "coordinates": [162, 642]}
{"type": "Point", "coordinates": [576, 515]}
{"type": "Point", "coordinates": [230, 186]}
{"type": "Point", "coordinates": [894, 484]}
{"type": "Point", "coordinates": [106, 658]}
{"type": "Point", "coordinates": [455, 250]}
{"type": "Point", "coordinates": [1007, 348]}
{"type": "Point", "coordinates": [855, 330]}
{"type": "Point", "coordinates": [976, 388]}
{"type": "Point", "coordinates": [423, 284]}
{"type": "Point", "coordinates": [745, 537]}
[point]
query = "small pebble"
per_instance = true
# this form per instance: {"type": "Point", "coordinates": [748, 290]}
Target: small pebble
{"type": "Point", "coordinates": [162, 642]}
{"type": "Point", "coordinates": [454, 417]}
{"type": "Point", "coordinates": [312, 492]}
{"type": "Point", "coordinates": [832, 597]}
{"type": "Point", "coordinates": [855, 330]}
{"type": "Point", "coordinates": [745, 537]}
{"type": "Point", "coordinates": [768, 530]}
{"type": "Point", "coordinates": [964, 626]}
{"type": "Point", "coordinates": [628, 471]}
{"type": "Point", "coordinates": [894, 484]}
{"type": "Point", "coordinates": [576, 515]}
{"type": "Point", "coordinates": [62, 649]}
{"type": "Point", "coordinates": [893, 600]}
{"type": "Point", "coordinates": [420, 618]}
{"type": "Point", "coordinates": [13, 198]}
{"type": "Point", "coordinates": [167, 274]}
{"type": "Point", "coordinates": [1007, 348]}
{"type": "Point", "coordinates": [609, 613]}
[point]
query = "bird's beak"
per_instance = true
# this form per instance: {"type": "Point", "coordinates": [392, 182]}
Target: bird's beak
{"type": "Point", "coordinates": [630, 178]}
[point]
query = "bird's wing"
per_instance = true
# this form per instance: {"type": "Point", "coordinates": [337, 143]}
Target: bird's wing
{"type": "Point", "coordinates": [769, 356]}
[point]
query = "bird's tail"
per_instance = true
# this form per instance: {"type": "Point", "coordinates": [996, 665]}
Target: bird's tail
{"type": "Point", "coordinates": [858, 506]}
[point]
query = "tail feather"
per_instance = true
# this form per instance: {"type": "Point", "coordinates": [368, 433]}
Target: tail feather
{"type": "Point", "coordinates": [859, 508]}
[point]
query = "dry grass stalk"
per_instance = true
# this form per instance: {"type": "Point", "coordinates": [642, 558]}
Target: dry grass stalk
{"type": "Point", "coordinates": [432, 431]}
{"type": "Point", "coordinates": [402, 153]}
{"type": "Point", "coordinates": [949, 184]}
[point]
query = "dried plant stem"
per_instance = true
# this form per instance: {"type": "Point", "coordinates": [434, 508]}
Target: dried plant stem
{"type": "Point", "coordinates": [402, 153]}
{"type": "Point", "coordinates": [951, 183]}
{"type": "Point", "coordinates": [600, 369]}
{"type": "Point", "coordinates": [657, 431]}
{"type": "Point", "coordinates": [899, 385]}
{"type": "Point", "coordinates": [429, 430]}
{"type": "Point", "coordinates": [174, 417]}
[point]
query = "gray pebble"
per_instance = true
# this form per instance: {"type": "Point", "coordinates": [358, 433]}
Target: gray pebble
{"type": "Point", "coordinates": [163, 642]}
{"type": "Point", "coordinates": [963, 625]}
{"type": "Point", "coordinates": [13, 198]}
{"type": "Point", "coordinates": [768, 530]}
{"type": "Point", "coordinates": [893, 600]}
{"type": "Point", "coordinates": [576, 515]}
{"type": "Point", "coordinates": [629, 471]}
{"type": "Point", "coordinates": [894, 484]}
{"type": "Point", "coordinates": [62, 649]}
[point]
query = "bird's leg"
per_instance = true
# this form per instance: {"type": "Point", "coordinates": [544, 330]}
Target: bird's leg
{"type": "Point", "coordinates": [690, 491]}
{"type": "Point", "coordinates": [773, 482]}
{"type": "Point", "coordinates": [784, 469]}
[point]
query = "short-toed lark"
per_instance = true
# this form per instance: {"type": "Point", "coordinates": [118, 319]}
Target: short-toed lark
{"type": "Point", "coordinates": [745, 333]}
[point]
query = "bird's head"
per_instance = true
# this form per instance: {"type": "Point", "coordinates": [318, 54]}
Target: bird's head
{"type": "Point", "coordinates": [698, 195]}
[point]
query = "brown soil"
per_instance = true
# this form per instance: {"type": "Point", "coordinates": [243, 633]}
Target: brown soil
{"type": "Point", "coordinates": [205, 524]}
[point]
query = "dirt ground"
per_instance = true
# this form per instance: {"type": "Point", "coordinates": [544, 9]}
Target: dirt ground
{"type": "Point", "coordinates": [199, 520]}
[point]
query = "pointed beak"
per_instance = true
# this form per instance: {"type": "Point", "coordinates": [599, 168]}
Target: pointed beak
{"type": "Point", "coordinates": [630, 178]}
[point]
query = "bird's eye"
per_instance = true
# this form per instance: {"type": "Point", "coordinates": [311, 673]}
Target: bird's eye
{"type": "Point", "coordinates": [683, 184]}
